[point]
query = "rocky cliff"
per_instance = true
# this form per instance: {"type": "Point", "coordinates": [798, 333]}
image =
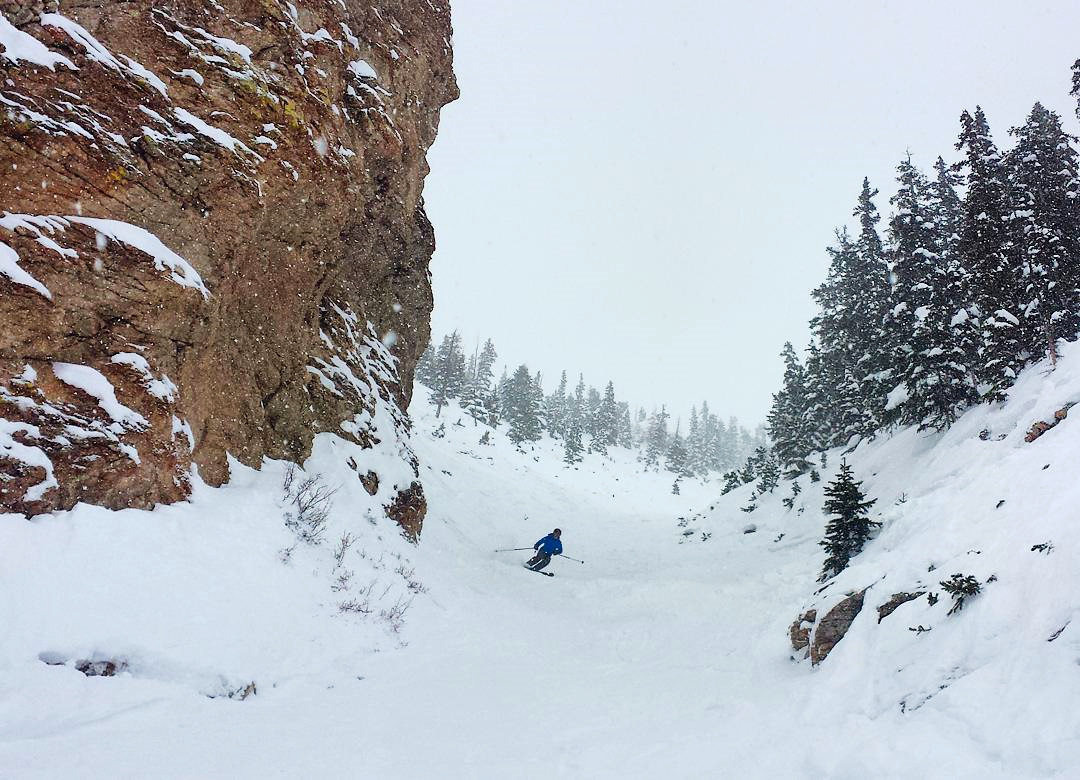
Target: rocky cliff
{"type": "Point", "coordinates": [212, 239]}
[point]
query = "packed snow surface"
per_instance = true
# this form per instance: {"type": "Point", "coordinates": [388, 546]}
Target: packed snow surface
{"type": "Point", "coordinates": [665, 654]}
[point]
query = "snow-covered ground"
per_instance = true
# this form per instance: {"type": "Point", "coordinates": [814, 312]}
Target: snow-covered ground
{"type": "Point", "coordinates": [665, 654]}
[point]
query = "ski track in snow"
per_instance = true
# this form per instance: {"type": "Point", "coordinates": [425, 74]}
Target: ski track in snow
{"type": "Point", "coordinates": [652, 659]}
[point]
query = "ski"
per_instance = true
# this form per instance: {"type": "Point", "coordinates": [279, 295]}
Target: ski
{"type": "Point", "coordinates": [545, 573]}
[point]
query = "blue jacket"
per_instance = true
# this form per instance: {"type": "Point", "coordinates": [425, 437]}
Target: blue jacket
{"type": "Point", "coordinates": [549, 545]}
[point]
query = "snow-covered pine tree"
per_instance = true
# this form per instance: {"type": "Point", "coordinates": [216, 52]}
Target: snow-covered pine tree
{"type": "Point", "coordinates": [945, 385]}
{"type": "Point", "coordinates": [849, 524]}
{"type": "Point", "coordinates": [695, 461]}
{"type": "Point", "coordinates": [870, 301]}
{"type": "Point", "coordinates": [986, 254]}
{"type": "Point", "coordinates": [521, 410]}
{"type": "Point", "coordinates": [573, 430]}
{"type": "Point", "coordinates": [625, 436]}
{"type": "Point", "coordinates": [640, 427]}
{"type": "Point", "coordinates": [656, 438]}
{"type": "Point", "coordinates": [448, 375]}
{"type": "Point", "coordinates": [931, 367]}
{"type": "Point", "coordinates": [502, 395]}
{"type": "Point", "coordinates": [834, 378]}
{"type": "Point", "coordinates": [476, 397]}
{"type": "Point", "coordinates": [556, 409]}
{"type": "Point", "coordinates": [821, 396]}
{"type": "Point", "coordinates": [538, 406]}
{"type": "Point", "coordinates": [607, 421]}
{"type": "Point", "coordinates": [788, 420]}
{"type": "Point", "coordinates": [1045, 229]}
{"type": "Point", "coordinates": [592, 411]}
{"type": "Point", "coordinates": [768, 470]}
{"type": "Point", "coordinates": [425, 367]}
{"type": "Point", "coordinates": [721, 448]}
{"type": "Point", "coordinates": [851, 371]}
{"type": "Point", "coordinates": [675, 459]}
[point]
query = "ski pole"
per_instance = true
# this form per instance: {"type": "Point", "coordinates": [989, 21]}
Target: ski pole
{"type": "Point", "coordinates": [514, 549]}
{"type": "Point", "coordinates": [573, 559]}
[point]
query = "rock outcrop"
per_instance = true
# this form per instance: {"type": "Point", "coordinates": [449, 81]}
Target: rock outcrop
{"type": "Point", "coordinates": [212, 238]}
{"type": "Point", "coordinates": [817, 638]}
{"type": "Point", "coordinates": [834, 626]}
{"type": "Point", "coordinates": [896, 600]}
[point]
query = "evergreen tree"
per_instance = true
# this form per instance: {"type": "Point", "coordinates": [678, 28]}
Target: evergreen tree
{"type": "Point", "coordinates": [985, 253]}
{"type": "Point", "coordinates": [851, 373]}
{"type": "Point", "coordinates": [625, 436]}
{"type": "Point", "coordinates": [1045, 229]}
{"type": "Point", "coordinates": [425, 367]}
{"type": "Point", "coordinates": [573, 430]}
{"type": "Point", "coordinates": [943, 383]}
{"type": "Point", "coordinates": [676, 459]}
{"type": "Point", "coordinates": [869, 304]}
{"type": "Point", "coordinates": [720, 448]}
{"type": "Point", "coordinates": [522, 410]}
{"type": "Point", "coordinates": [592, 414]}
{"type": "Point", "coordinates": [837, 384]}
{"type": "Point", "coordinates": [502, 395]}
{"type": "Point", "coordinates": [640, 427]}
{"type": "Point", "coordinates": [820, 399]}
{"type": "Point", "coordinates": [656, 438]}
{"type": "Point", "coordinates": [607, 421]}
{"type": "Point", "coordinates": [538, 405]}
{"type": "Point", "coordinates": [788, 420]}
{"type": "Point", "coordinates": [476, 397]}
{"type": "Point", "coordinates": [556, 409]}
{"type": "Point", "coordinates": [695, 450]}
{"type": "Point", "coordinates": [849, 525]}
{"type": "Point", "coordinates": [448, 374]}
{"type": "Point", "coordinates": [768, 471]}
{"type": "Point", "coordinates": [915, 261]}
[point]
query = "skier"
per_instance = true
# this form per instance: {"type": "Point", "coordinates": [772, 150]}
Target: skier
{"type": "Point", "coordinates": [545, 548]}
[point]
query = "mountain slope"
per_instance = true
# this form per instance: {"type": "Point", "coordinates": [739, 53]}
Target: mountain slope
{"type": "Point", "coordinates": [663, 654]}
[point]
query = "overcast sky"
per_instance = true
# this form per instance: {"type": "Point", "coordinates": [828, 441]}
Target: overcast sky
{"type": "Point", "coordinates": [643, 192]}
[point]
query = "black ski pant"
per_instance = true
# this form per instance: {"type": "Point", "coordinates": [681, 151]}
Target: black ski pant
{"type": "Point", "coordinates": [539, 561]}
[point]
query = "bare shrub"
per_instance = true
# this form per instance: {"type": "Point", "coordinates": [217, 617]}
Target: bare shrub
{"type": "Point", "coordinates": [413, 584]}
{"type": "Point", "coordinates": [395, 615]}
{"type": "Point", "coordinates": [344, 543]}
{"type": "Point", "coordinates": [311, 501]}
{"type": "Point", "coordinates": [360, 606]}
{"type": "Point", "coordinates": [344, 579]}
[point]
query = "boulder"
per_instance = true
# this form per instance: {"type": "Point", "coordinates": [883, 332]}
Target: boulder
{"type": "Point", "coordinates": [832, 628]}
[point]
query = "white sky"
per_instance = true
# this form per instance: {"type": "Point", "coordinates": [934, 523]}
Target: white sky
{"type": "Point", "coordinates": [644, 191]}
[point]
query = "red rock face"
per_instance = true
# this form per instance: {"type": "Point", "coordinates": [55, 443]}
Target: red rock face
{"type": "Point", "coordinates": [212, 236]}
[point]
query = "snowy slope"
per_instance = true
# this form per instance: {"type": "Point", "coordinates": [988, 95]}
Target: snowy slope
{"type": "Point", "coordinates": [663, 655]}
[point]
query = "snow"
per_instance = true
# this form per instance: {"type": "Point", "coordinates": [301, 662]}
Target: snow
{"type": "Point", "coordinates": [180, 270]}
{"type": "Point", "coordinates": [97, 52]}
{"type": "Point", "coordinates": [9, 267]}
{"type": "Point", "coordinates": [162, 388]}
{"type": "Point", "coordinates": [34, 457]}
{"type": "Point", "coordinates": [897, 397]}
{"type": "Point", "coordinates": [190, 73]}
{"type": "Point", "coordinates": [227, 45]}
{"type": "Point", "coordinates": [663, 655]}
{"type": "Point", "coordinates": [361, 69]}
{"type": "Point", "coordinates": [93, 382]}
{"type": "Point", "coordinates": [19, 46]}
{"type": "Point", "coordinates": [215, 134]}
